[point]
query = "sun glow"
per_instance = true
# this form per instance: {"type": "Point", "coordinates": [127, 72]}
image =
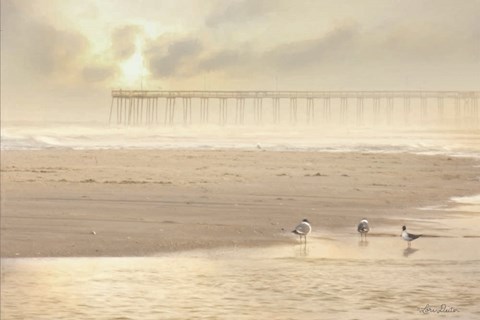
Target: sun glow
{"type": "Point", "coordinates": [133, 71]}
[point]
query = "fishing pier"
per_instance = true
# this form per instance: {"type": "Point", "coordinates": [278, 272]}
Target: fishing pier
{"type": "Point", "coordinates": [158, 107]}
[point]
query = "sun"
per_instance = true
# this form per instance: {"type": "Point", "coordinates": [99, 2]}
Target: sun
{"type": "Point", "coordinates": [133, 71]}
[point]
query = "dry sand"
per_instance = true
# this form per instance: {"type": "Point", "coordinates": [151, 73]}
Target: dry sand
{"type": "Point", "coordinates": [140, 202]}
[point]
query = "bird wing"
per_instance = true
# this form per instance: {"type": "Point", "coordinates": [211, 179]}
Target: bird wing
{"type": "Point", "coordinates": [302, 228]}
{"type": "Point", "coordinates": [363, 227]}
{"type": "Point", "coordinates": [413, 236]}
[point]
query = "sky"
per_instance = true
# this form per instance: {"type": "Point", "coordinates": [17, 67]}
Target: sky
{"type": "Point", "coordinates": [60, 59]}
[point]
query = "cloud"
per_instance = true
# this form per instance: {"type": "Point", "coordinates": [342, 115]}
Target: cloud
{"type": "Point", "coordinates": [424, 43]}
{"type": "Point", "coordinates": [240, 11]}
{"type": "Point", "coordinates": [37, 48]}
{"type": "Point", "coordinates": [350, 47]}
{"type": "Point", "coordinates": [335, 46]}
{"type": "Point", "coordinates": [124, 41]}
{"type": "Point", "coordinates": [172, 58]}
{"type": "Point", "coordinates": [55, 51]}
{"type": "Point", "coordinates": [299, 56]}
{"type": "Point", "coordinates": [240, 40]}
{"type": "Point", "coordinates": [98, 73]}
{"type": "Point", "coordinates": [226, 59]}
{"type": "Point", "coordinates": [33, 48]}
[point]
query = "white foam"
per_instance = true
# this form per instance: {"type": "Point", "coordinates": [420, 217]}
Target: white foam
{"type": "Point", "coordinates": [457, 204]}
{"type": "Point", "coordinates": [472, 200]}
{"type": "Point", "coordinates": [98, 136]}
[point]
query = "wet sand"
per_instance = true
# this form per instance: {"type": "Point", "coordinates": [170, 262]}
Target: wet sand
{"type": "Point", "coordinates": [66, 203]}
{"type": "Point", "coordinates": [330, 278]}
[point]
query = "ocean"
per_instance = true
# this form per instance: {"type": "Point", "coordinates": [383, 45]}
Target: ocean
{"type": "Point", "coordinates": [81, 136]}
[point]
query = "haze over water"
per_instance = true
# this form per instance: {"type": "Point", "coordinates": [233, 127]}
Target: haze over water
{"type": "Point", "coordinates": [37, 136]}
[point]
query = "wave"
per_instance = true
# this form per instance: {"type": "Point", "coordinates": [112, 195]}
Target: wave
{"type": "Point", "coordinates": [80, 137]}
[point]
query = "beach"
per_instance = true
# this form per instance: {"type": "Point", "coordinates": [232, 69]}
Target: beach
{"type": "Point", "coordinates": [114, 203]}
{"type": "Point", "coordinates": [161, 160]}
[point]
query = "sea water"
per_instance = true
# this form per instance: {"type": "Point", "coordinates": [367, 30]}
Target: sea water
{"type": "Point", "coordinates": [61, 135]}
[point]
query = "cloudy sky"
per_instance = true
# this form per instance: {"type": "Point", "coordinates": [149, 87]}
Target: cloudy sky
{"type": "Point", "coordinates": [62, 57]}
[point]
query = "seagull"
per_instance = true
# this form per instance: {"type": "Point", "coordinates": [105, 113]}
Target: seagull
{"type": "Point", "coordinates": [303, 229]}
{"type": "Point", "coordinates": [363, 228]}
{"type": "Point", "coordinates": [408, 236]}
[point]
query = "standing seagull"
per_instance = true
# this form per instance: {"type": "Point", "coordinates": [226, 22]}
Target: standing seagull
{"type": "Point", "coordinates": [408, 236]}
{"type": "Point", "coordinates": [363, 228]}
{"type": "Point", "coordinates": [303, 229]}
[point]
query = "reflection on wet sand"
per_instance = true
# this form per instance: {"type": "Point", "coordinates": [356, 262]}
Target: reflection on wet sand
{"type": "Point", "coordinates": [363, 243]}
{"type": "Point", "coordinates": [326, 279]}
{"type": "Point", "coordinates": [409, 251]}
{"type": "Point", "coordinates": [302, 250]}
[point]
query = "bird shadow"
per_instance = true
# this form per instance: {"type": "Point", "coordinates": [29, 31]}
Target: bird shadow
{"type": "Point", "coordinates": [409, 251]}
